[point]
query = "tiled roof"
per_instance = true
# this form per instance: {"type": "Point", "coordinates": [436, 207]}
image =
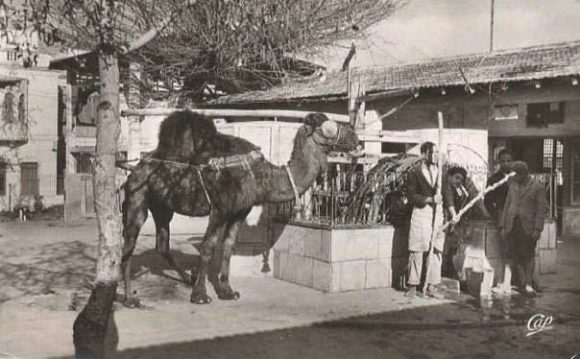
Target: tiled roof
{"type": "Point", "coordinates": [530, 63]}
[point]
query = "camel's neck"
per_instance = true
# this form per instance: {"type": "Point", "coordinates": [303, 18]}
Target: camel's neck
{"type": "Point", "coordinates": [307, 163]}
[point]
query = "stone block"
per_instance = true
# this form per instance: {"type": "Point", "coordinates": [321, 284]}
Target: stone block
{"type": "Point", "coordinates": [548, 259]}
{"type": "Point", "coordinates": [283, 237]}
{"type": "Point", "coordinates": [378, 273]}
{"type": "Point", "coordinates": [313, 244]}
{"type": "Point", "coordinates": [288, 271]}
{"type": "Point", "coordinates": [352, 275]}
{"type": "Point", "coordinates": [326, 276]}
{"type": "Point", "coordinates": [325, 246]}
{"type": "Point", "coordinates": [280, 263]}
{"type": "Point", "coordinates": [304, 270]}
{"type": "Point", "coordinates": [354, 244]}
{"type": "Point", "coordinates": [299, 236]}
{"type": "Point", "coordinates": [386, 242]}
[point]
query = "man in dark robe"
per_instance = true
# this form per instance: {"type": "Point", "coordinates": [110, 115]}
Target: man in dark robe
{"type": "Point", "coordinates": [494, 200]}
{"type": "Point", "coordinates": [521, 224]}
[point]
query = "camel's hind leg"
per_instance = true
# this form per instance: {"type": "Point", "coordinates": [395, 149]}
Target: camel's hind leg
{"type": "Point", "coordinates": [225, 290]}
{"type": "Point", "coordinates": [215, 231]}
{"type": "Point", "coordinates": [134, 215]}
{"type": "Point", "coordinates": [162, 217]}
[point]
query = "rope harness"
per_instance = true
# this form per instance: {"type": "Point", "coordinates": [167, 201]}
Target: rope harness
{"type": "Point", "coordinates": [215, 164]}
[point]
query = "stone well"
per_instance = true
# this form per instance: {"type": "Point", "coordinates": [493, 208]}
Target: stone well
{"type": "Point", "coordinates": [340, 259]}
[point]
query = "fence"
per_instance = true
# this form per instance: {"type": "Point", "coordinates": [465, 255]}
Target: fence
{"type": "Point", "coordinates": [348, 196]}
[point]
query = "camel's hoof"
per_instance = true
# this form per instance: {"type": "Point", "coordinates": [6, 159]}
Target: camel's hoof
{"type": "Point", "coordinates": [131, 302]}
{"type": "Point", "coordinates": [200, 298]}
{"type": "Point", "coordinates": [229, 296]}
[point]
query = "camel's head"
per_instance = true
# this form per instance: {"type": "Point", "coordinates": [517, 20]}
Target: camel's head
{"type": "Point", "coordinates": [332, 135]}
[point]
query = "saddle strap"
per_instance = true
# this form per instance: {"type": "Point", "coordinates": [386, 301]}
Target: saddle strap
{"type": "Point", "coordinates": [203, 185]}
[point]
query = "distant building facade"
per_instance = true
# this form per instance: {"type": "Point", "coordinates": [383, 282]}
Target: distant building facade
{"type": "Point", "coordinates": [526, 100]}
{"type": "Point", "coordinates": [32, 109]}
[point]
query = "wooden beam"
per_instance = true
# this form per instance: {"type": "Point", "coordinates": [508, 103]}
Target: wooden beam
{"type": "Point", "coordinates": [389, 136]}
{"type": "Point", "coordinates": [219, 112]}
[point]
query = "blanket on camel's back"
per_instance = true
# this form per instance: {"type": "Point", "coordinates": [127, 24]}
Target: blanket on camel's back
{"type": "Point", "coordinates": [215, 163]}
{"type": "Point", "coordinates": [219, 163]}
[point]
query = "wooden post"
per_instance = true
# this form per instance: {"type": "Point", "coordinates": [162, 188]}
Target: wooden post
{"type": "Point", "coordinates": [436, 227]}
{"type": "Point", "coordinates": [351, 99]}
{"type": "Point", "coordinates": [491, 20]}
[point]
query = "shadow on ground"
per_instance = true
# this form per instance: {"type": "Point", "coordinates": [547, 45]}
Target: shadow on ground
{"type": "Point", "coordinates": [457, 330]}
{"type": "Point", "coordinates": [44, 268]}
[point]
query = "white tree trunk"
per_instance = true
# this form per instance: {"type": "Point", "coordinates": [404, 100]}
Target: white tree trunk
{"type": "Point", "coordinates": [94, 330]}
{"type": "Point", "coordinates": [106, 199]}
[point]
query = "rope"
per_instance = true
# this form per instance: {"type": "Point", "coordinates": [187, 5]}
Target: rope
{"type": "Point", "coordinates": [293, 184]}
{"type": "Point", "coordinates": [203, 185]}
{"type": "Point", "coordinates": [215, 164]}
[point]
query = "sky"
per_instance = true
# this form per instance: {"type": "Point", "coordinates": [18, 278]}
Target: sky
{"type": "Point", "coordinates": [425, 29]}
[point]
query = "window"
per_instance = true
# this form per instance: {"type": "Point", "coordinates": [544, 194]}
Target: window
{"type": "Point", "coordinates": [84, 162]}
{"type": "Point", "coordinates": [505, 112]}
{"type": "Point", "coordinates": [393, 147]}
{"type": "Point", "coordinates": [7, 108]}
{"type": "Point", "coordinates": [87, 108]}
{"type": "Point", "coordinates": [553, 150]}
{"type": "Point", "coordinates": [545, 113]}
{"type": "Point", "coordinates": [29, 178]}
{"type": "Point", "coordinates": [3, 170]}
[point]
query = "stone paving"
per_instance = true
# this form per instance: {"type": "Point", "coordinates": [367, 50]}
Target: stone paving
{"type": "Point", "coordinates": [40, 307]}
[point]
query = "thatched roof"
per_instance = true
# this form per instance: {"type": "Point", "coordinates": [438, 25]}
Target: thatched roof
{"type": "Point", "coordinates": [530, 63]}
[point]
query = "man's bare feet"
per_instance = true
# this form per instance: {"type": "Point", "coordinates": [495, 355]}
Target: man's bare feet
{"type": "Point", "coordinates": [411, 292]}
{"type": "Point", "coordinates": [433, 292]}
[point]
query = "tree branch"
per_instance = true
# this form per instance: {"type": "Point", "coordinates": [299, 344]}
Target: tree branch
{"type": "Point", "coordinates": [152, 33]}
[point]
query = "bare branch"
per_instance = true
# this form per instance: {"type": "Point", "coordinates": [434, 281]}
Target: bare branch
{"type": "Point", "coordinates": [154, 32]}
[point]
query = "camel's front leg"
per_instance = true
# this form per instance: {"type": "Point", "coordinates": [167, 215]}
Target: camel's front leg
{"type": "Point", "coordinates": [214, 232]}
{"type": "Point", "coordinates": [225, 291]}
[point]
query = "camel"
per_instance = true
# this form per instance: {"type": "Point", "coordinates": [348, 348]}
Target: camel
{"type": "Point", "coordinates": [176, 178]}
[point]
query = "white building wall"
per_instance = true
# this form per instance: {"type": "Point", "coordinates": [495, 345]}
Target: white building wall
{"type": "Point", "coordinates": [42, 136]}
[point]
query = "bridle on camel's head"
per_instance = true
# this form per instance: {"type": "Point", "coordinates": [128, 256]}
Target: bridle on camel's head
{"type": "Point", "coordinates": [331, 135]}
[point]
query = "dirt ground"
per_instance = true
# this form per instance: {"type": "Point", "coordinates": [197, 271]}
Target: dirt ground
{"type": "Point", "coordinates": [467, 328]}
{"type": "Point", "coordinates": [45, 265]}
